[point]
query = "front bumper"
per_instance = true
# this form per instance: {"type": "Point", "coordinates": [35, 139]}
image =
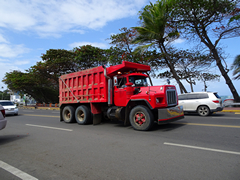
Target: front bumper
{"type": "Point", "coordinates": [3, 123]}
{"type": "Point", "coordinates": [171, 114]}
{"type": "Point", "coordinates": [11, 111]}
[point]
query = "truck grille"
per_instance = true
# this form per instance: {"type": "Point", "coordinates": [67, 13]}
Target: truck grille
{"type": "Point", "coordinates": [171, 97]}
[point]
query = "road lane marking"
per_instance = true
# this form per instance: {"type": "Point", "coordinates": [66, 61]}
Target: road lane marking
{"type": "Point", "coordinates": [226, 117]}
{"type": "Point", "coordinates": [48, 127]}
{"type": "Point", "coordinates": [40, 115]}
{"type": "Point", "coordinates": [202, 148]}
{"type": "Point", "coordinates": [16, 172]}
{"type": "Point", "coordinates": [212, 125]}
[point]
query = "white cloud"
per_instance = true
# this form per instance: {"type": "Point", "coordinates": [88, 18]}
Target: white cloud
{"type": "Point", "coordinates": [179, 41]}
{"type": "Point", "coordinates": [95, 44]}
{"type": "Point", "coordinates": [10, 51]}
{"type": "Point", "coordinates": [19, 62]}
{"type": "Point", "coordinates": [55, 16]}
{"type": "Point", "coordinates": [2, 39]}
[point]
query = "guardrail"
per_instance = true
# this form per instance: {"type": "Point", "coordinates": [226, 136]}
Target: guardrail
{"type": "Point", "coordinates": [47, 105]}
{"type": "Point", "coordinates": [231, 104]}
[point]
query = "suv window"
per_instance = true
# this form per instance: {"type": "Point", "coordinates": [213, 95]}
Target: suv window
{"type": "Point", "coordinates": [182, 97]}
{"type": "Point", "coordinates": [192, 96]}
{"type": "Point", "coordinates": [203, 96]}
{"type": "Point", "coordinates": [217, 95]}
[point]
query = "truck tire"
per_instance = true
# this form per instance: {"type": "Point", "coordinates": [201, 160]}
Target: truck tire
{"type": "Point", "coordinates": [68, 114]}
{"type": "Point", "coordinates": [203, 111]}
{"type": "Point", "coordinates": [141, 118]}
{"type": "Point", "coordinates": [83, 115]}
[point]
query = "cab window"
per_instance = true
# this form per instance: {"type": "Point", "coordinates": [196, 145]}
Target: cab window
{"type": "Point", "coordinates": [137, 80]}
{"type": "Point", "coordinates": [122, 82]}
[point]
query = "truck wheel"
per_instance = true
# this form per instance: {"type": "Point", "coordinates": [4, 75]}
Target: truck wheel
{"type": "Point", "coordinates": [141, 118]}
{"type": "Point", "coordinates": [68, 114]}
{"type": "Point", "coordinates": [203, 111]}
{"type": "Point", "coordinates": [83, 115]}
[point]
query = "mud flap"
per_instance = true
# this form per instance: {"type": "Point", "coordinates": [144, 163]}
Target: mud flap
{"type": "Point", "coordinates": [97, 118]}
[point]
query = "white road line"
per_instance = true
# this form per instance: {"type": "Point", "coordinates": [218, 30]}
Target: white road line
{"type": "Point", "coordinates": [226, 117]}
{"type": "Point", "coordinates": [16, 172]}
{"type": "Point", "coordinates": [48, 127]}
{"type": "Point", "coordinates": [202, 148]}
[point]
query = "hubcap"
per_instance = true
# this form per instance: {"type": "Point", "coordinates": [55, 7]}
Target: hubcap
{"type": "Point", "coordinates": [203, 110]}
{"type": "Point", "coordinates": [67, 115]}
{"type": "Point", "coordinates": [139, 118]}
{"type": "Point", "coordinates": [80, 115]}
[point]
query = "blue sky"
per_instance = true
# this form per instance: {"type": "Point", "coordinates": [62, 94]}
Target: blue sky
{"type": "Point", "coordinates": [30, 27]}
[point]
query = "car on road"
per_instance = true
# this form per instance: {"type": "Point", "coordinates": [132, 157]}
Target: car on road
{"type": "Point", "coordinates": [10, 107]}
{"type": "Point", "coordinates": [3, 120]}
{"type": "Point", "coordinates": [204, 103]}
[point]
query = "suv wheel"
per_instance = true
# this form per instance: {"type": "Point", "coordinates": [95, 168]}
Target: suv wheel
{"type": "Point", "coordinates": [203, 111]}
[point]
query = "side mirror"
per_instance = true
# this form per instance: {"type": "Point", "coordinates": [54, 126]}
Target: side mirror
{"type": "Point", "coordinates": [145, 84]}
{"type": "Point", "coordinates": [129, 84]}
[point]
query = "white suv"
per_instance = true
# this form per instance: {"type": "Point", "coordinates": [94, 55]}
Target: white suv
{"type": "Point", "coordinates": [3, 120]}
{"type": "Point", "coordinates": [204, 103]}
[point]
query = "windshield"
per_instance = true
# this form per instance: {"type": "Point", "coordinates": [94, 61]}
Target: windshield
{"type": "Point", "coordinates": [6, 103]}
{"type": "Point", "coordinates": [138, 80]}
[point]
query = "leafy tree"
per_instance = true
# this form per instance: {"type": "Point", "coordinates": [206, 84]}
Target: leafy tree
{"type": "Point", "coordinates": [124, 50]}
{"type": "Point", "coordinates": [189, 65]}
{"type": "Point", "coordinates": [5, 95]}
{"type": "Point", "coordinates": [156, 31]}
{"type": "Point", "coordinates": [89, 56]}
{"type": "Point", "coordinates": [56, 62]}
{"type": "Point", "coordinates": [39, 88]}
{"type": "Point", "coordinates": [41, 81]}
{"type": "Point", "coordinates": [236, 68]}
{"type": "Point", "coordinates": [208, 77]}
{"type": "Point", "coordinates": [208, 22]}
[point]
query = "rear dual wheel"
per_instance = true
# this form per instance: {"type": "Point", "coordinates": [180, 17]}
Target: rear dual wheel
{"type": "Point", "coordinates": [68, 114]}
{"type": "Point", "coordinates": [83, 115]}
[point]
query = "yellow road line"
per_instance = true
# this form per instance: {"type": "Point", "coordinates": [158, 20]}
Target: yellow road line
{"type": "Point", "coordinates": [40, 115]}
{"type": "Point", "coordinates": [212, 125]}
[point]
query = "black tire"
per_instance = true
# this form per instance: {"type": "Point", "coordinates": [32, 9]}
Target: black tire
{"type": "Point", "coordinates": [68, 114]}
{"type": "Point", "coordinates": [141, 118]}
{"type": "Point", "coordinates": [203, 111]}
{"type": "Point", "coordinates": [83, 115]}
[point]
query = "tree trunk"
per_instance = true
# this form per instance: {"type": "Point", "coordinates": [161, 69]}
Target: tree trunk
{"type": "Point", "coordinates": [225, 75]}
{"type": "Point", "coordinates": [149, 79]}
{"type": "Point", "coordinates": [206, 40]}
{"type": "Point", "coordinates": [171, 67]}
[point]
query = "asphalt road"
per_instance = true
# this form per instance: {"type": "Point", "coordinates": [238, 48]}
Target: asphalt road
{"type": "Point", "coordinates": [36, 145]}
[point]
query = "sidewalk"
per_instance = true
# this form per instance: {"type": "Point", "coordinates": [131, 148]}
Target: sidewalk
{"type": "Point", "coordinates": [225, 109]}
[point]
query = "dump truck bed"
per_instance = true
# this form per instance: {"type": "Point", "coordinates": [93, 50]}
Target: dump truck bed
{"type": "Point", "coordinates": [84, 86]}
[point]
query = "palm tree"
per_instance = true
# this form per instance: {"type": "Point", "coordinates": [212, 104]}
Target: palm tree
{"type": "Point", "coordinates": [155, 31]}
{"type": "Point", "coordinates": [236, 68]}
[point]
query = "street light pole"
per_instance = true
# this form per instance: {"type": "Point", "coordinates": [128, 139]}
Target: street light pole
{"type": "Point", "coordinates": [2, 93]}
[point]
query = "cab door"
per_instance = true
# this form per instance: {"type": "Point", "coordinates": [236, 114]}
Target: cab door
{"type": "Point", "coordinates": [120, 94]}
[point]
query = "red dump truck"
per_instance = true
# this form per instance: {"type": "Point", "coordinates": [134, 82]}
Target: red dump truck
{"type": "Point", "coordinates": [117, 92]}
